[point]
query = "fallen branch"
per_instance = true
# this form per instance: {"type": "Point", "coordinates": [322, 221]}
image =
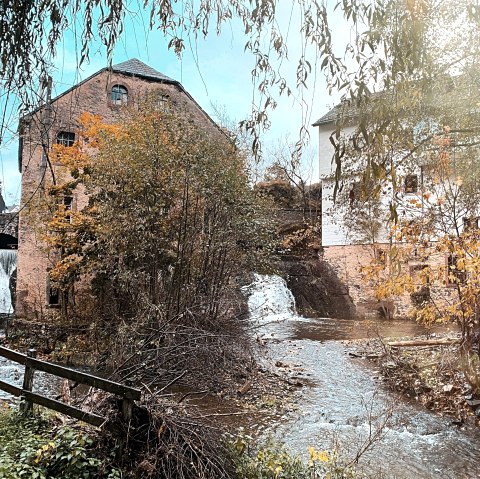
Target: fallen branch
{"type": "Point", "coordinates": [222, 414]}
{"type": "Point", "coordinates": [424, 342]}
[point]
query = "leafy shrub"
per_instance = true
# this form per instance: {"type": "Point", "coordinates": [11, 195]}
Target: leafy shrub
{"type": "Point", "coordinates": [272, 461]}
{"type": "Point", "coordinates": [35, 448]}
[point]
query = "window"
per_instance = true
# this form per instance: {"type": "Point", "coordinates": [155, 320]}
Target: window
{"type": "Point", "coordinates": [163, 103]}
{"type": "Point", "coordinates": [411, 184]}
{"type": "Point", "coordinates": [67, 205]}
{"type": "Point", "coordinates": [470, 224]}
{"type": "Point", "coordinates": [53, 296]}
{"type": "Point", "coordinates": [455, 275]}
{"type": "Point", "coordinates": [119, 95]}
{"type": "Point", "coordinates": [355, 193]}
{"type": "Point", "coordinates": [65, 138]}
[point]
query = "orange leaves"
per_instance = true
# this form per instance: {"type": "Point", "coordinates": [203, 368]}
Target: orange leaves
{"type": "Point", "coordinates": [65, 268]}
{"type": "Point", "coordinates": [93, 129]}
{"type": "Point", "coordinates": [72, 157]}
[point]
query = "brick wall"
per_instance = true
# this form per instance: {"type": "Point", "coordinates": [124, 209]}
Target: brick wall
{"type": "Point", "coordinates": [347, 262]}
{"type": "Point", "coordinates": [93, 96]}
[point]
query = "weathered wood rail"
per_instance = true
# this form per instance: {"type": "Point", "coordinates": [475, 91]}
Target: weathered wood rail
{"type": "Point", "coordinates": [127, 393]}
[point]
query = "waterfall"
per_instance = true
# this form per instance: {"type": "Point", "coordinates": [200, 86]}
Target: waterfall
{"type": "Point", "coordinates": [8, 263]}
{"type": "Point", "coordinates": [270, 300]}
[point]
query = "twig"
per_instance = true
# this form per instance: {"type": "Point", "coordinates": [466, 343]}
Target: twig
{"type": "Point", "coordinates": [192, 394]}
{"type": "Point", "coordinates": [173, 381]}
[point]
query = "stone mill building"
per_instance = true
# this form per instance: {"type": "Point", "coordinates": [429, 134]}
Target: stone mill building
{"type": "Point", "coordinates": [103, 93]}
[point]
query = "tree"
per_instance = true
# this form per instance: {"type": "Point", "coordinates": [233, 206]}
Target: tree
{"type": "Point", "coordinates": [387, 47]}
{"type": "Point", "coordinates": [407, 176]}
{"type": "Point", "coordinates": [171, 221]}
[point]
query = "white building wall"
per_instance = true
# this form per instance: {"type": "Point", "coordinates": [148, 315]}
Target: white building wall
{"type": "Point", "coordinates": [333, 232]}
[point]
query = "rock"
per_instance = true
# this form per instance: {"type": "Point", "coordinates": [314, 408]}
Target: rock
{"type": "Point", "coordinates": [473, 402]}
{"type": "Point", "coordinates": [354, 354]}
{"type": "Point", "coordinates": [317, 289]}
{"type": "Point", "coordinates": [390, 365]}
{"type": "Point", "coordinates": [448, 388]}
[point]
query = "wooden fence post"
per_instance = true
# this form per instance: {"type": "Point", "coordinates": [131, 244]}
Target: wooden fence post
{"type": "Point", "coordinates": [26, 406]}
{"type": "Point", "coordinates": [127, 410]}
{"type": "Point", "coordinates": [127, 406]}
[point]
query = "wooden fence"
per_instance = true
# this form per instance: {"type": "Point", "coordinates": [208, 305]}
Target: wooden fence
{"type": "Point", "coordinates": [127, 393]}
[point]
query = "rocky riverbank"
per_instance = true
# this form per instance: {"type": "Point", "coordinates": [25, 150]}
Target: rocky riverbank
{"type": "Point", "coordinates": [431, 375]}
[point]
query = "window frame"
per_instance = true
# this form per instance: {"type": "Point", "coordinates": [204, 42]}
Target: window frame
{"type": "Point", "coordinates": [411, 184]}
{"type": "Point", "coordinates": [65, 138]}
{"type": "Point", "coordinates": [163, 103]}
{"type": "Point", "coordinates": [122, 97]}
{"type": "Point", "coordinates": [459, 275]}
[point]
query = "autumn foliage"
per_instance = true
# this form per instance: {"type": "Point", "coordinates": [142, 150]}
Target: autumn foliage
{"type": "Point", "coordinates": [170, 222]}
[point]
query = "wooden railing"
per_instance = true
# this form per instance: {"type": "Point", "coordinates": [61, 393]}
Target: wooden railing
{"type": "Point", "coordinates": [127, 393]}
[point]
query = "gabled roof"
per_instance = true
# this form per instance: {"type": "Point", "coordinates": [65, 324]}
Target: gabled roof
{"type": "Point", "coordinates": [132, 67]}
{"type": "Point", "coordinates": [346, 110]}
{"type": "Point", "coordinates": [137, 68]}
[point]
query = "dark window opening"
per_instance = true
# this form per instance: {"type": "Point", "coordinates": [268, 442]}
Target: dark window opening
{"type": "Point", "coordinates": [411, 184]}
{"type": "Point", "coordinates": [119, 95]}
{"type": "Point", "coordinates": [163, 103]}
{"type": "Point", "coordinates": [66, 138]}
{"type": "Point", "coordinates": [53, 296]}
{"type": "Point", "coordinates": [355, 193]}
{"type": "Point", "coordinates": [67, 205]}
{"type": "Point", "coordinates": [470, 224]}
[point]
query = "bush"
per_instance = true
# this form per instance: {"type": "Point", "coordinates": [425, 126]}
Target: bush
{"type": "Point", "coordinates": [272, 461]}
{"type": "Point", "coordinates": [37, 448]}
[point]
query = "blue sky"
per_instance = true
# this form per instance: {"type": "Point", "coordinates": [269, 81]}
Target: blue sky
{"type": "Point", "coordinates": [215, 70]}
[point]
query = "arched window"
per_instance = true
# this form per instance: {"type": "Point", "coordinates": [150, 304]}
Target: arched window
{"type": "Point", "coordinates": [163, 103]}
{"type": "Point", "coordinates": [119, 95]}
{"type": "Point", "coordinates": [66, 138]}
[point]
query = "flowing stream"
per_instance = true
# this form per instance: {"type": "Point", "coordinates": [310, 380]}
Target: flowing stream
{"type": "Point", "coordinates": [345, 400]}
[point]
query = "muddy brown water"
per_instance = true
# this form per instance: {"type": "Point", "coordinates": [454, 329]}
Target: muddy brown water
{"type": "Point", "coordinates": [345, 400]}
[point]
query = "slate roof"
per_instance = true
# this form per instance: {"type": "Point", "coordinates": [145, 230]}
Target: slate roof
{"type": "Point", "coordinates": [137, 68]}
{"type": "Point", "coordinates": [344, 110]}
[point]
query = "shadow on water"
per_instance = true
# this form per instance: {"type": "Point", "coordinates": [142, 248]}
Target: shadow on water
{"type": "Point", "coordinates": [346, 399]}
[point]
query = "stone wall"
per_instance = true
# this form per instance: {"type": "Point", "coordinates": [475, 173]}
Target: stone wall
{"type": "Point", "coordinates": [317, 289]}
{"type": "Point", "coordinates": [347, 261]}
{"type": "Point", "coordinates": [9, 224]}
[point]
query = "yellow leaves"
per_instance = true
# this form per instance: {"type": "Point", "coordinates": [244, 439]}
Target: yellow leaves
{"type": "Point", "coordinates": [94, 130]}
{"type": "Point", "coordinates": [44, 449]}
{"type": "Point", "coordinates": [315, 455]}
{"type": "Point", "coordinates": [415, 202]}
{"type": "Point", "coordinates": [65, 269]}
{"type": "Point", "coordinates": [427, 195]}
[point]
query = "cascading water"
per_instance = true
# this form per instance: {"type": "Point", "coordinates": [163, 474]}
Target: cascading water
{"type": "Point", "coordinates": [270, 300]}
{"type": "Point", "coordinates": [344, 396]}
{"type": "Point", "coordinates": [8, 263]}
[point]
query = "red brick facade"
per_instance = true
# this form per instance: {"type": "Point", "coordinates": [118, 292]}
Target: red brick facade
{"type": "Point", "coordinates": [39, 131]}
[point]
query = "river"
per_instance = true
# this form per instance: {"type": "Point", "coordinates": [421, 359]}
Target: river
{"type": "Point", "coordinates": [345, 400]}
